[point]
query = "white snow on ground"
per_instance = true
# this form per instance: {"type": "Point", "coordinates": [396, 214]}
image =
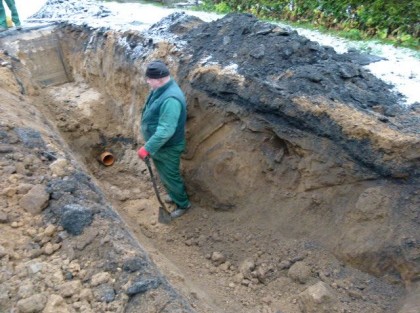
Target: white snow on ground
{"type": "Point", "coordinates": [27, 8]}
{"type": "Point", "coordinates": [401, 67]}
{"type": "Point", "coordinates": [143, 15]}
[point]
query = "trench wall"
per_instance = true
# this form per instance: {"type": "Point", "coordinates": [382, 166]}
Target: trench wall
{"type": "Point", "coordinates": [87, 238]}
{"type": "Point", "coordinates": [300, 183]}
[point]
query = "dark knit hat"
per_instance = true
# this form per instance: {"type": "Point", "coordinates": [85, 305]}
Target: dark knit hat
{"type": "Point", "coordinates": [157, 69]}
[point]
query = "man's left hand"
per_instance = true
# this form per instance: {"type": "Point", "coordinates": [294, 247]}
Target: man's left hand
{"type": "Point", "coordinates": [142, 153]}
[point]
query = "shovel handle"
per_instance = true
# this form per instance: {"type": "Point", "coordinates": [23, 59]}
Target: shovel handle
{"type": "Point", "coordinates": [152, 176]}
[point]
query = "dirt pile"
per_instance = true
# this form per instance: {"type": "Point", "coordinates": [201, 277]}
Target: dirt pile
{"type": "Point", "coordinates": [307, 86]}
{"type": "Point", "coordinates": [302, 169]}
{"type": "Point", "coordinates": [59, 9]}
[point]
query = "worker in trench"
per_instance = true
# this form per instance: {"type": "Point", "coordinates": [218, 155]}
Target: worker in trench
{"type": "Point", "coordinates": [163, 127]}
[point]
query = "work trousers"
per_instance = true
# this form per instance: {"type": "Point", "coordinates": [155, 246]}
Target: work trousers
{"type": "Point", "coordinates": [167, 162]}
{"type": "Point", "coordinates": [15, 15]}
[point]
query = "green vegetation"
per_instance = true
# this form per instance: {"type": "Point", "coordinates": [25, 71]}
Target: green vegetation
{"type": "Point", "coordinates": [392, 21]}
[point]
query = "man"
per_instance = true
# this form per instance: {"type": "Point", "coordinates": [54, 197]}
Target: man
{"type": "Point", "coordinates": [163, 127]}
{"type": "Point", "coordinates": [15, 15]}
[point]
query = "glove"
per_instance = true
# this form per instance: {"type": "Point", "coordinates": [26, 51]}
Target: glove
{"type": "Point", "coordinates": [142, 153]}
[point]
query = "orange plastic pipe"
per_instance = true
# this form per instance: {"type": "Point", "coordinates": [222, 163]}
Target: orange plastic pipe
{"type": "Point", "coordinates": [107, 158]}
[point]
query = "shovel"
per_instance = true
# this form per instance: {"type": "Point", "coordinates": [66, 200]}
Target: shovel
{"type": "Point", "coordinates": [164, 216]}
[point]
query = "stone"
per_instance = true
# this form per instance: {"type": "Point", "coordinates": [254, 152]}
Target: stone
{"type": "Point", "coordinates": [87, 238]}
{"type": "Point", "coordinates": [86, 294]}
{"type": "Point", "coordinates": [34, 253]}
{"type": "Point", "coordinates": [48, 248]}
{"type": "Point", "coordinates": [85, 308]}
{"type": "Point", "coordinates": [373, 204]}
{"type": "Point", "coordinates": [20, 169]}
{"type": "Point", "coordinates": [218, 258]}
{"type": "Point", "coordinates": [100, 278]}
{"type": "Point", "coordinates": [35, 200]}
{"type": "Point", "coordinates": [258, 53]}
{"type": "Point", "coordinates": [68, 289]}
{"type": "Point", "coordinates": [225, 266]}
{"type": "Point", "coordinates": [56, 304]}
{"type": "Point", "coordinates": [262, 273]}
{"type": "Point", "coordinates": [31, 231]}
{"type": "Point", "coordinates": [4, 218]}
{"type": "Point", "coordinates": [58, 187]}
{"type": "Point", "coordinates": [75, 218]}
{"type": "Point", "coordinates": [300, 272]}
{"type": "Point", "coordinates": [33, 304]}
{"type": "Point", "coordinates": [285, 264]}
{"type": "Point", "coordinates": [60, 167]}
{"type": "Point", "coordinates": [74, 267]}
{"type": "Point", "coordinates": [14, 179]}
{"type": "Point", "coordinates": [23, 188]}
{"type": "Point", "coordinates": [246, 268]}
{"type": "Point", "coordinates": [142, 286]}
{"type": "Point", "coordinates": [245, 282]}
{"type": "Point", "coordinates": [3, 251]}
{"type": "Point", "coordinates": [238, 278]}
{"type": "Point", "coordinates": [4, 294]}
{"type": "Point", "coordinates": [319, 298]}
{"type": "Point", "coordinates": [11, 169]}
{"type": "Point", "coordinates": [104, 293]}
{"type": "Point", "coordinates": [35, 267]}
{"type": "Point", "coordinates": [10, 191]}
{"type": "Point", "coordinates": [57, 278]}
{"type": "Point", "coordinates": [267, 300]}
{"type": "Point", "coordinates": [134, 264]}
{"type": "Point", "coordinates": [348, 71]}
{"type": "Point", "coordinates": [56, 246]}
{"type": "Point", "coordinates": [50, 230]}
{"type": "Point", "coordinates": [25, 290]}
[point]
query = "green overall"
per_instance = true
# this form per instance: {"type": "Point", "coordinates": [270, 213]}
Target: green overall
{"type": "Point", "coordinates": [163, 128]}
{"type": "Point", "coordinates": [15, 15]}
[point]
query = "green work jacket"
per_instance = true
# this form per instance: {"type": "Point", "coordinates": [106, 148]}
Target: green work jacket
{"type": "Point", "coordinates": [163, 118]}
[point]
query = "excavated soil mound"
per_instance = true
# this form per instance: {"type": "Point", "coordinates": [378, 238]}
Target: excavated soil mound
{"type": "Point", "coordinates": [281, 69]}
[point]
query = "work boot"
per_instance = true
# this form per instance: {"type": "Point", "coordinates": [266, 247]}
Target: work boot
{"type": "Point", "coordinates": [180, 211]}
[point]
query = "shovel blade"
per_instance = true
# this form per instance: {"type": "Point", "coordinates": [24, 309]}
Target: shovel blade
{"type": "Point", "coordinates": [164, 217]}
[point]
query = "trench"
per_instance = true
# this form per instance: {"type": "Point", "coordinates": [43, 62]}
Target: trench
{"type": "Point", "coordinates": [91, 113]}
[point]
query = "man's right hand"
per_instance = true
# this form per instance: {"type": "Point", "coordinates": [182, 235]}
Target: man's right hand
{"type": "Point", "coordinates": [143, 153]}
